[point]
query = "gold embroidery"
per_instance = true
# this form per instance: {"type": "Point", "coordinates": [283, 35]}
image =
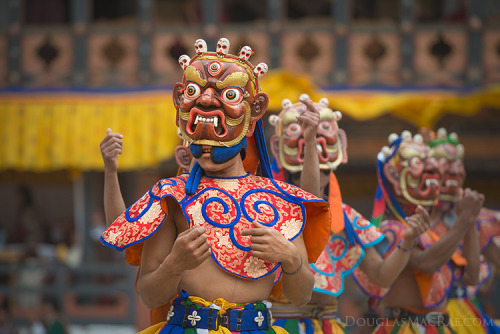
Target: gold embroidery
{"type": "Point", "coordinates": [212, 193]}
{"type": "Point", "coordinates": [320, 281]}
{"type": "Point", "coordinates": [321, 265]}
{"type": "Point", "coordinates": [292, 228]}
{"type": "Point", "coordinates": [112, 236]}
{"type": "Point", "coordinates": [195, 212]}
{"type": "Point", "coordinates": [255, 267]}
{"type": "Point", "coordinates": [233, 259]}
{"type": "Point", "coordinates": [227, 184]}
{"type": "Point", "coordinates": [152, 214]}
{"type": "Point", "coordinates": [223, 240]}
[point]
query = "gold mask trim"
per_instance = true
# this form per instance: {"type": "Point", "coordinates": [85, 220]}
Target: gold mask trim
{"type": "Point", "coordinates": [407, 196]}
{"type": "Point", "coordinates": [238, 79]}
{"type": "Point", "coordinates": [184, 115]}
{"type": "Point", "coordinates": [191, 74]}
{"type": "Point", "coordinates": [234, 61]}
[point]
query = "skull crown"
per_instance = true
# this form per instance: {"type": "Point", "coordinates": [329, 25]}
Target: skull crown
{"type": "Point", "coordinates": [287, 104]}
{"type": "Point", "coordinates": [406, 136]}
{"type": "Point", "coordinates": [443, 137]}
{"type": "Point", "coordinates": [222, 51]}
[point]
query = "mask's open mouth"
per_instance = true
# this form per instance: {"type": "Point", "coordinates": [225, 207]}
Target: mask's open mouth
{"type": "Point", "coordinates": [322, 150]}
{"type": "Point", "coordinates": [214, 121]}
{"type": "Point", "coordinates": [425, 188]}
{"type": "Point", "coordinates": [429, 182]}
{"type": "Point", "coordinates": [300, 153]}
{"type": "Point", "coordinates": [451, 185]}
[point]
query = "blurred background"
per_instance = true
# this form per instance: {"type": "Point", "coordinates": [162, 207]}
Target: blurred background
{"type": "Point", "coordinates": [70, 69]}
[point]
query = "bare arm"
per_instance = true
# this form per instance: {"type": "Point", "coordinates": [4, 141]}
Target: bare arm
{"type": "Point", "coordinates": [298, 286]}
{"type": "Point", "coordinates": [309, 120]}
{"type": "Point", "coordinates": [384, 272]}
{"type": "Point", "coordinates": [272, 246]}
{"type": "Point", "coordinates": [165, 257]}
{"type": "Point", "coordinates": [111, 147]}
{"type": "Point", "coordinates": [470, 249]}
{"type": "Point", "coordinates": [434, 257]}
{"type": "Point", "coordinates": [470, 252]}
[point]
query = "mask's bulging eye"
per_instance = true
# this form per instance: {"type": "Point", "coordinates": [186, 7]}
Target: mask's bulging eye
{"type": "Point", "coordinates": [214, 68]}
{"type": "Point", "coordinates": [232, 95]}
{"type": "Point", "coordinates": [325, 126]}
{"type": "Point", "coordinates": [192, 91]}
{"type": "Point", "coordinates": [293, 129]}
{"type": "Point", "coordinates": [416, 162]}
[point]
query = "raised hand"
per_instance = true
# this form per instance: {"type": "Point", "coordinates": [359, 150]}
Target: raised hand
{"type": "Point", "coordinates": [309, 119]}
{"type": "Point", "coordinates": [111, 147]}
{"type": "Point", "coordinates": [269, 244]}
{"type": "Point", "coordinates": [417, 224]}
{"type": "Point", "coordinates": [190, 249]}
{"type": "Point", "coordinates": [468, 207]}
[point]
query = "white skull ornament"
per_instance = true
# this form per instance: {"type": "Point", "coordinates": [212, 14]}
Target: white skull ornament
{"type": "Point", "coordinates": [245, 53]}
{"type": "Point", "coordinates": [260, 69]}
{"type": "Point", "coordinates": [323, 102]}
{"type": "Point", "coordinates": [286, 104]}
{"type": "Point", "coordinates": [184, 61]}
{"type": "Point", "coordinates": [274, 120]}
{"type": "Point", "coordinates": [222, 47]}
{"type": "Point", "coordinates": [200, 46]}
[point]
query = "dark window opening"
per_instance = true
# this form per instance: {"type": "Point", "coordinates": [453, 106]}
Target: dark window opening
{"type": "Point", "coordinates": [46, 12]}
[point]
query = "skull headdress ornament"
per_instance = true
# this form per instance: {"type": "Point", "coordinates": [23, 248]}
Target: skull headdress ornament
{"type": "Point", "coordinates": [200, 46]}
{"type": "Point", "coordinates": [245, 53]}
{"type": "Point", "coordinates": [184, 61]}
{"type": "Point", "coordinates": [222, 47]}
{"type": "Point", "coordinates": [260, 69]}
{"type": "Point", "coordinates": [287, 145]}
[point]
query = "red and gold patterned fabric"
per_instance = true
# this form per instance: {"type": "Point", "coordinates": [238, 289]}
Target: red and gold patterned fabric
{"type": "Point", "coordinates": [225, 207]}
{"type": "Point", "coordinates": [340, 257]}
{"type": "Point", "coordinates": [489, 226]}
{"type": "Point", "coordinates": [433, 291]}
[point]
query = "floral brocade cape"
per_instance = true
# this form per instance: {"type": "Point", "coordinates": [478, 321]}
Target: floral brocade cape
{"type": "Point", "coordinates": [488, 222]}
{"type": "Point", "coordinates": [433, 292]}
{"type": "Point", "coordinates": [344, 252]}
{"type": "Point", "coordinates": [489, 226]}
{"type": "Point", "coordinates": [225, 207]}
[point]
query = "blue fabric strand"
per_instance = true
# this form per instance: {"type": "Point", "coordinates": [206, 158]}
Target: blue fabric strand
{"type": "Point", "coordinates": [194, 179]}
{"type": "Point", "coordinates": [349, 230]}
{"type": "Point", "coordinates": [260, 141]}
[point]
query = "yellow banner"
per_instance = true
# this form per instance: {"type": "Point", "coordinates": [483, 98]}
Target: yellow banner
{"type": "Point", "coordinates": [50, 131]}
{"type": "Point", "coordinates": [42, 132]}
{"type": "Point", "coordinates": [421, 108]}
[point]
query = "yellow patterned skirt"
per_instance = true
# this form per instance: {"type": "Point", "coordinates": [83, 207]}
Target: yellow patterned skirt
{"type": "Point", "coordinates": [219, 304]}
{"type": "Point", "coordinates": [465, 317]}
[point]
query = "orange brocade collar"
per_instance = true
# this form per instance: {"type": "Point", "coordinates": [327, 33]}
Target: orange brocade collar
{"type": "Point", "coordinates": [225, 207]}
